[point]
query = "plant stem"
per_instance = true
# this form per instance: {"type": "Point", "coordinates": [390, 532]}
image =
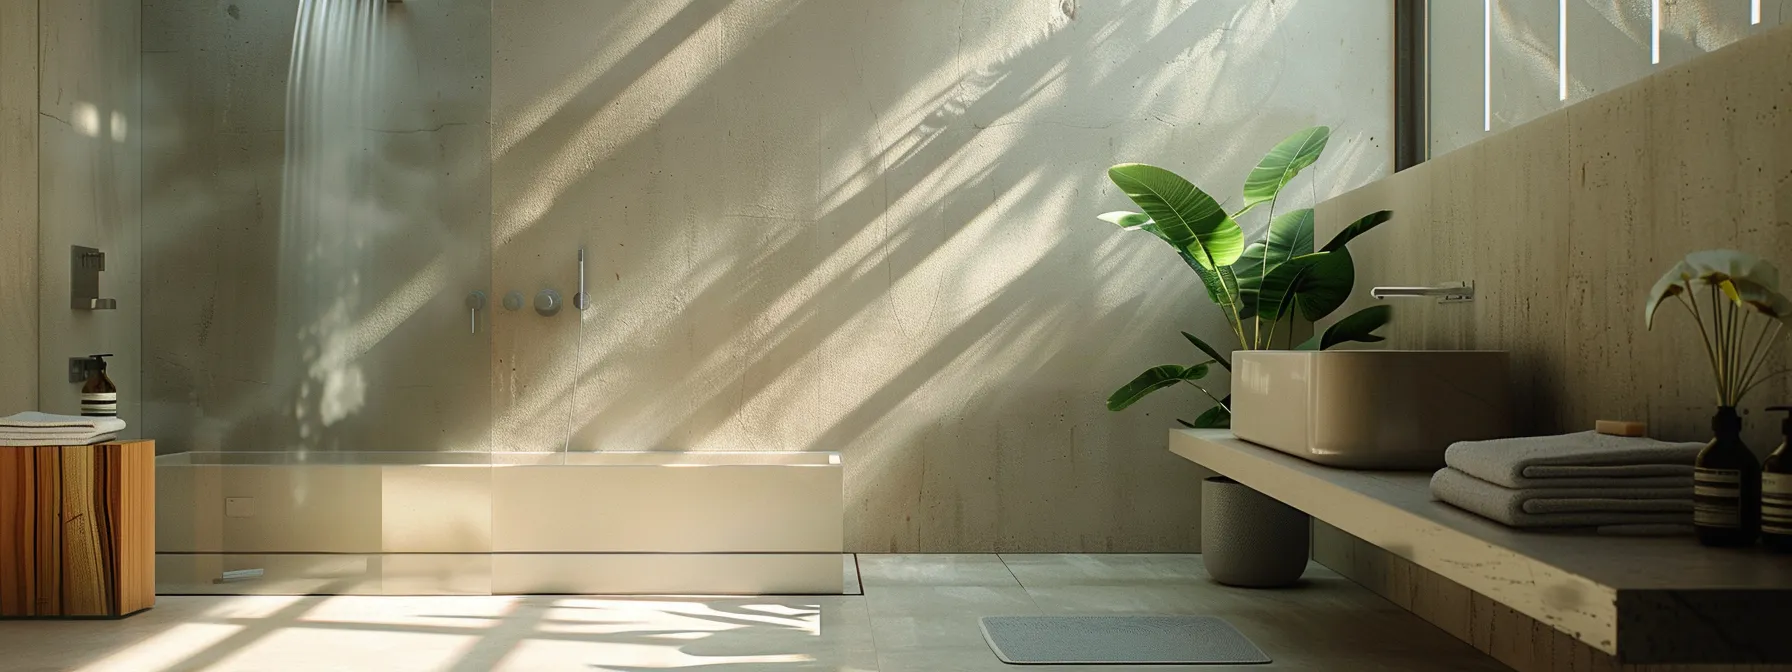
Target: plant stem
{"type": "Point", "coordinates": [1757, 357]}
{"type": "Point", "coordinates": [1216, 400]}
{"type": "Point", "coordinates": [1738, 327]}
{"type": "Point", "coordinates": [1723, 359]}
{"type": "Point", "coordinates": [1692, 306]}
{"type": "Point", "coordinates": [1263, 272]}
{"type": "Point", "coordinates": [1766, 378]}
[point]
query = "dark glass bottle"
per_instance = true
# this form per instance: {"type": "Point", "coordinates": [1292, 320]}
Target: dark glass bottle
{"type": "Point", "coordinates": [1726, 486]}
{"type": "Point", "coordinates": [99, 397]}
{"type": "Point", "coordinates": [1776, 491]}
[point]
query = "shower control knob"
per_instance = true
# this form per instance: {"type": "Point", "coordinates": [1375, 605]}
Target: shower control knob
{"type": "Point", "coordinates": [513, 300]}
{"type": "Point", "coordinates": [547, 302]}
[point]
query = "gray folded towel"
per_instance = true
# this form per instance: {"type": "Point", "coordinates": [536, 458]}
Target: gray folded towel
{"type": "Point", "coordinates": [1584, 459]}
{"type": "Point", "coordinates": [1509, 506]}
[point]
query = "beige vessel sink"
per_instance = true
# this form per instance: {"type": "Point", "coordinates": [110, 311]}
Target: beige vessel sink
{"type": "Point", "coordinates": [1369, 409]}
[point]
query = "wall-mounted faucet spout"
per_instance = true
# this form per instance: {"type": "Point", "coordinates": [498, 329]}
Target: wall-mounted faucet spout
{"type": "Point", "coordinates": [1447, 293]}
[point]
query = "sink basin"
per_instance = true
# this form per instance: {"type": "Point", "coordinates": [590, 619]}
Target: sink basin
{"type": "Point", "coordinates": [1369, 409]}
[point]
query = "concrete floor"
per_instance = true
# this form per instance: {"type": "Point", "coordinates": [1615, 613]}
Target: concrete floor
{"type": "Point", "coordinates": [919, 612]}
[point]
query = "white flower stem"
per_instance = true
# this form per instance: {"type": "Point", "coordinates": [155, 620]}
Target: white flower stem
{"type": "Point", "coordinates": [1691, 306]}
{"type": "Point", "coordinates": [1758, 356]}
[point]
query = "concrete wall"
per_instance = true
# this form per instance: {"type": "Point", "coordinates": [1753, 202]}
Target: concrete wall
{"type": "Point", "coordinates": [89, 181]}
{"type": "Point", "coordinates": [868, 226]}
{"type": "Point", "coordinates": [18, 206]}
{"type": "Point", "coordinates": [1564, 224]}
{"type": "Point", "coordinates": [1608, 46]}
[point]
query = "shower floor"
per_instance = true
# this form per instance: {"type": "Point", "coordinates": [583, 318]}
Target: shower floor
{"type": "Point", "coordinates": [918, 612]}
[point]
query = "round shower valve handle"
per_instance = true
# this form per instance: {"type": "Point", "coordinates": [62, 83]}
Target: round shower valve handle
{"type": "Point", "coordinates": [547, 302]}
{"type": "Point", "coordinates": [513, 300]}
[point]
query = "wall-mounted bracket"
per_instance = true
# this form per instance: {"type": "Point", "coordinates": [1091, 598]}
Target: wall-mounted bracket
{"type": "Point", "coordinates": [85, 264]}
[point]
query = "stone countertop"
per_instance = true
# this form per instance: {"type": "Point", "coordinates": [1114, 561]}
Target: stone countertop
{"type": "Point", "coordinates": [1643, 599]}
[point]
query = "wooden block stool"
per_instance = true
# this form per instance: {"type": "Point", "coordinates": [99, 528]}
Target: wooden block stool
{"type": "Point", "coordinates": [77, 530]}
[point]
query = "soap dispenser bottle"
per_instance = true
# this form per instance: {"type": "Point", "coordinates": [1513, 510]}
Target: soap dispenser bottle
{"type": "Point", "coordinates": [99, 397]}
{"type": "Point", "coordinates": [1776, 491]}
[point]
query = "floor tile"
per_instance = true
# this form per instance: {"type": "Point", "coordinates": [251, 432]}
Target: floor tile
{"type": "Point", "coordinates": [924, 600]}
{"type": "Point", "coordinates": [934, 570]}
{"type": "Point", "coordinates": [1042, 569]}
{"type": "Point", "coordinates": [918, 613]}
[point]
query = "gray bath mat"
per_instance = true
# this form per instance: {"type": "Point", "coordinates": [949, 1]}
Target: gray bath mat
{"type": "Point", "coordinates": [1109, 640]}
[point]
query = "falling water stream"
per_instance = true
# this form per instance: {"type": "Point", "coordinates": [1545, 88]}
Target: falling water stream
{"type": "Point", "coordinates": [330, 212]}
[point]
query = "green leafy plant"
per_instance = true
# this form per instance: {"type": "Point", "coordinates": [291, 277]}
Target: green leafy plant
{"type": "Point", "coordinates": [1738, 286]}
{"type": "Point", "coordinates": [1256, 286]}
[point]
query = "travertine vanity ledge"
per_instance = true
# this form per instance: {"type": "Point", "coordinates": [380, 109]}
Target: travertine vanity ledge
{"type": "Point", "coordinates": [1644, 600]}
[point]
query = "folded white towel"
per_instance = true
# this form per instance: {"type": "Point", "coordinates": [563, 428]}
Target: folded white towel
{"type": "Point", "coordinates": [33, 421]}
{"type": "Point", "coordinates": [1584, 459]}
{"type": "Point", "coordinates": [1509, 506]}
{"type": "Point", "coordinates": [88, 440]}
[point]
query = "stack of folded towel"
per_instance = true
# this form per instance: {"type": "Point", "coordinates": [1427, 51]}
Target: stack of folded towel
{"type": "Point", "coordinates": [1626, 484]}
{"type": "Point", "coordinates": [43, 429]}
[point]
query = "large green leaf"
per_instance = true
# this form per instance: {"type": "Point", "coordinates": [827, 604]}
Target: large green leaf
{"type": "Point", "coordinates": [1357, 327]}
{"type": "Point", "coordinates": [1326, 286]}
{"type": "Point", "coordinates": [1208, 349]}
{"type": "Point", "coordinates": [1153, 380]}
{"type": "Point", "coordinates": [1183, 215]}
{"type": "Point", "coordinates": [1127, 220]}
{"type": "Point", "coordinates": [1357, 228]}
{"type": "Point", "coordinates": [1210, 279]}
{"type": "Point", "coordinates": [1283, 162]}
{"type": "Point", "coordinates": [1290, 235]}
{"type": "Point", "coordinates": [1216, 417]}
{"type": "Point", "coordinates": [1318, 283]}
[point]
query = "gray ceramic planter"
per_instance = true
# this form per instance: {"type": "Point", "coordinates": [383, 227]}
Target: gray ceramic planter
{"type": "Point", "coordinates": [1249, 540]}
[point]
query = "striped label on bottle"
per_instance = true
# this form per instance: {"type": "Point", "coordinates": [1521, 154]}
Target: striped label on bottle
{"type": "Point", "coordinates": [1776, 503]}
{"type": "Point", "coordinates": [1717, 497]}
{"type": "Point", "coordinates": [99, 404]}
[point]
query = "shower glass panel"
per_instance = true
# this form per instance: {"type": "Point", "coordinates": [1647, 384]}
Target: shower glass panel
{"type": "Point", "coordinates": [1495, 64]}
{"type": "Point", "coordinates": [316, 215]}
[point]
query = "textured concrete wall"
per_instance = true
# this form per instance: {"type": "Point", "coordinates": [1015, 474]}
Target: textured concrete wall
{"type": "Point", "coordinates": [1565, 223]}
{"type": "Point", "coordinates": [868, 226]}
{"type": "Point", "coordinates": [18, 205]}
{"type": "Point", "coordinates": [89, 178]}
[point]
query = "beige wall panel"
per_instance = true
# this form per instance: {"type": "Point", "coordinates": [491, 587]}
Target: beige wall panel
{"type": "Point", "coordinates": [18, 205]}
{"type": "Point", "coordinates": [867, 227]}
{"type": "Point", "coordinates": [1565, 222]}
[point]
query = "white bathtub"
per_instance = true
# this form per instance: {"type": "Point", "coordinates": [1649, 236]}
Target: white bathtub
{"type": "Point", "coordinates": [499, 523]}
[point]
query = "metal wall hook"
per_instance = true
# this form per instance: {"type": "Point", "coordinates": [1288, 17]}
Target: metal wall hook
{"type": "Point", "coordinates": [85, 264]}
